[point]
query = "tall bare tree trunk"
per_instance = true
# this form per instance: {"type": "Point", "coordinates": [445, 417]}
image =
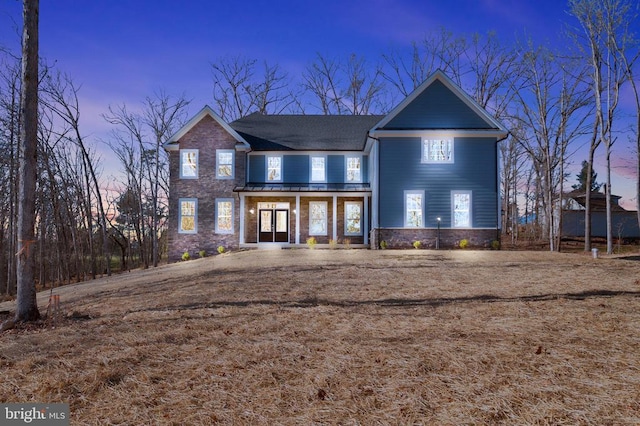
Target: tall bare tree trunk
{"type": "Point", "coordinates": [27, 308]}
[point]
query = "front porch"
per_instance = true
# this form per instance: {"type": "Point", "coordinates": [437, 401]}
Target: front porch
{"type": "Point", "coordinates": [288, 219]}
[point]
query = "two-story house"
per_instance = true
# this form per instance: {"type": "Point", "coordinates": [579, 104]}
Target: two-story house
{"type": "Point", "coordinates": [427, 171]}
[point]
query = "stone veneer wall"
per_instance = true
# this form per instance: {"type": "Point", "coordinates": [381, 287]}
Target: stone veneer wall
{"type": "Point", "coordinates": [206, 136]}
{"type": "Point", "coordinates": [449, 238]}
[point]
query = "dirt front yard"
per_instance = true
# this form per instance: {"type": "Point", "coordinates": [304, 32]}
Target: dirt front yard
{"type": "Point", "coordinates": [341, 337]}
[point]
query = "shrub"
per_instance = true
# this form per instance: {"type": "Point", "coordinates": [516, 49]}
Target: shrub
{"type": "Point", "coordinates": [495, 244]}
{"type": "Point", "coordinates": [186, 256]}
{"type": "Point", "coordinates": [383, 245]}
{"type": "Point", "coordinates": [311, 242]}
{"type": "Point", "coordinates": [221, 249]}
{"type": "Point", "coordinates": [333, 244]}
{"type": "Point", "coordinates": [464, 243]}
{"type": "Point", "coordinates": [346, 243]}
{"type": "Point", "coordinates": [416, 244]}
{"type": "Point", "coordinates": [202, 253]}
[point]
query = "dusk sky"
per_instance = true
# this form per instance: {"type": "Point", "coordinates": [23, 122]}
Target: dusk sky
{"type": "Point", "coordinates": [121, 51]}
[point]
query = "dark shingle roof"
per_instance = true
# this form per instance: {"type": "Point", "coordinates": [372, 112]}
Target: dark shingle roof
{"type": "Point", "coordinates": [305, 132]}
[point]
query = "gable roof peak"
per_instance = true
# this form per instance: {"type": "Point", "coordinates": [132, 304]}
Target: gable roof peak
{"type": "Point", "coordinates": [172, 142]}
{"type": "Point", "coordinates": [440, 76]}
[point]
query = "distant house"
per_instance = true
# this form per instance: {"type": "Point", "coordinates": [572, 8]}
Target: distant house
{"type": "Point", "coordinates": [624, 223]}
{"type": "Point", "coordinates": [426, 171]}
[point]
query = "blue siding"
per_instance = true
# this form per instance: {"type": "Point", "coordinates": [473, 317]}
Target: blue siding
{"type": "Point", "coordinates": [437, 108]}
{"type": "Point", "coordinates": [474, 170]}
{"type": "Point", "coordinates": [257, 168]}
{"type": "Point", "coordinates": [296, 169]}
{"type": "Point", "coordinates": [335, 168]}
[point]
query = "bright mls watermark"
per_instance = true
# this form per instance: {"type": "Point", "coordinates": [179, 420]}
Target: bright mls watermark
{"type": "Point", "coordinates": [34, 414]}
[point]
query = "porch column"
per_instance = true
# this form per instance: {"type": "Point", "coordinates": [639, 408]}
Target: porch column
{"type": "Point", "coordinates": [335, 217]}
{"type": "Point", "coordinates": [241, 213]}
{"type": "Point", "coordinates": [365, 224]}
{"type": "Point", "coordinates": [298, 219]}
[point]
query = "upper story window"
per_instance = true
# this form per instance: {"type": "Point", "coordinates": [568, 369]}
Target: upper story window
{"type": "Point", "coordinates": [188, 214]}
{"type": "Point", "coordinates": [188, 163]}
{"type": "Point", "coordinates": [274, 168]}
{"type": "Point", "coordinates": [318, 168]}
{"type": "Point", "coordinates": [353, 168]}
{"type": "Point", "coordinates": [413, 209]}
{"type": "Point", "coordinates": [437, 151]}
{"type": "Point", "coordinates": [461, 209]}
{"type": "Point", "coordinates": [225, 163]}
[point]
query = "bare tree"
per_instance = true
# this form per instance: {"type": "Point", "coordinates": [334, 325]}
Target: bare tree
{"type": "Point", "coordinates": [138, 143]}
{"type": "Point", "coordinates": [27, 307]}
{"type": "Point", "coordinates": [239, 89]}
{"type": "Point", "coordinates": [605, 27]}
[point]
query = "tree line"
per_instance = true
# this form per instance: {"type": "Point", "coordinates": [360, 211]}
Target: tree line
{"type": "Point", "coordinates": [553, 99]}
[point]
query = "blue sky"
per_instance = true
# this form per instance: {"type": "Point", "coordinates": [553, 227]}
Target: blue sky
{"type": "Point", "coordinates": [121, 51]}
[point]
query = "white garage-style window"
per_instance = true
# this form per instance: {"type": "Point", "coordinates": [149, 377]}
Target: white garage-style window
{"type": "Point", "coordinates": [352, 218]}
{"type": "Point", "coordinates": [224, 216]}
{"type": "Point", "coordinates": [188, 163]}
{"type": "Point", "coordinates": [414, 209]}
{"type": "Point", "coordinates": [187, 216]}
{"type": "Point", "coordinates": [224, 163]}
{"type": "Point", "coordinates": [437, 151]}
{"type": "Point", "coordinates": [461, 209]}
{"type": "Point", "coordinates": [317, 218]}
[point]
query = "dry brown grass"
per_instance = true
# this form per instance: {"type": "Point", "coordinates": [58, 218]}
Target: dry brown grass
{"type": "Point", "coordinates": [343, 337]}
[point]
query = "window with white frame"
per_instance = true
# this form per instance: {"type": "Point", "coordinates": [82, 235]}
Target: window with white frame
{"type": "Point", "coordinates": [353, 168]}
{"type": "Point", "coordinates": [224, 216]}
{"type": "Point", "coordinates": [414, 209]}
{"type": "Point", "coordinates": [274, 168]}
{"type": "Point", "coordinates": [224, 163]}
{"type": "Point", "coordinates": [187, 216]}
{"type": "Point", "coordinates": [188, 163]}
{"type": "Point", "coordinates": [461, 209]}
{"type": "Point", "coordinates": [317, 218]}
{"type": "Point", "coordinates": [437, 151]}
{"type": "Point", "coordinates": [352, 218]}
{"type": "Point", "coordinates": [318, 168]}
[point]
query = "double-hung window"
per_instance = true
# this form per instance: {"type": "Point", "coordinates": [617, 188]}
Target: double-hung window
{"type": "Point", "coordinates": [224, 216]}
{"type": "Point", "coordinates": [274, 168]}
{"type": "Point", "coordinates": [352, 218]}
{"type": "Point", "coordinates": [414, 209]}
{"type": "Point", "coordinates": [353, 168]}
{"type": "Point", "coordinates": [318, 218]}
{"type": "Point", "coordinates": [437, 151]}
{"type": "Point", "coordinates": [318, 168]}
{"type": "Point", "coordinates": [188, 163]}
{"type": "Point", "coordinates": [188, 216]}
{"type": "Point", "coordinates": [461, 209]}
{"type": "Point", "coordinates": [224, 163]}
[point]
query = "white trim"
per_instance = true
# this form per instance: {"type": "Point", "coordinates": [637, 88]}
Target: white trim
{"type": "Point", "coordinates": [233, 163]}
{"type": "Point", "coordinates": [172, 143]}
{"type": "Point", "coordinates": [425, 145]}
{"type": "Point", "coordinates": [360, 204]}
{"type": "Point", "coordinates": [242, 213]}
{"type": "Point", "coordinates": [461, 94]}
{"type": "Point", "coordinates": [189, 151]}
{"type": "Point", "coordinates": [297, 213]}
{"type": "Point", "coordinates": [195, 215]}
{"type": "Point", "coordinates": [346, 168]}
{"type": "Point", "coordinates": [266, 168]}
{"type": "Point", "coordinates": [446, 133]}
{"type": "Point", "coordinates": [217, 217]}
{"type": "Point", "coordinates": [326, 218]}
{"type": "Point", "coordinates": [453, 207]}
{"type": "Point", "coordinates": [413, 192]}
{"type": "Point", "coordinates": [324, 163]}
{"type": "Point", "coordinates": [335, 217]}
